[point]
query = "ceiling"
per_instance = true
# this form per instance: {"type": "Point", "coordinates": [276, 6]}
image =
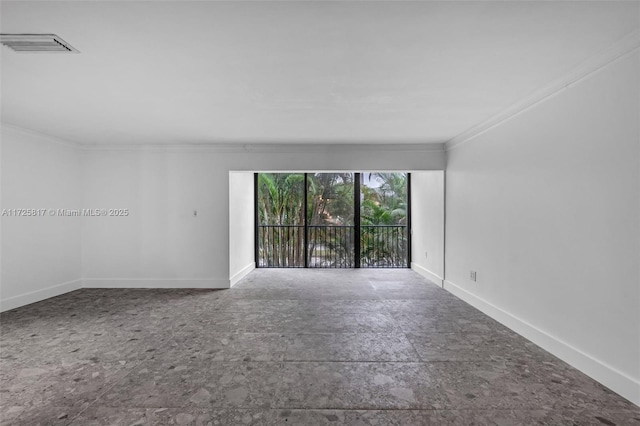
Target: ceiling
{"type": "Point", "coordinates": [158, 72]}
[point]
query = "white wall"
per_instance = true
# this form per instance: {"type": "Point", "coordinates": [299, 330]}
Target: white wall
{"type": "Point", "coordinates": [161, 243]}
{"type": "Point", "coordinates": [427, 223]}
{"type": "Point", "coordinates": [241, 225]}
{"type": "Point", "coordinates": [40, 254]}
{"type": "Point", "coordinates": [546, 208]}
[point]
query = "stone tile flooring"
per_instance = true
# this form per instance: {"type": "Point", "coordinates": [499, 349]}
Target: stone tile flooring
{"type": "Point", "coordinates": [285, 347]}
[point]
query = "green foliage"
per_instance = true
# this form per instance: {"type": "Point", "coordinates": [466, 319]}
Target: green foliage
{"type": "Point", "coordinates": [330, 199]}
{"type": "Point", "coordinates": [281, 198]}
{"type": "Point", "coordinates": [330, 203]}
{"type": "Point", "coordinates": [280, 202]}
{"type": "Point", "coordinates": [383, 210]}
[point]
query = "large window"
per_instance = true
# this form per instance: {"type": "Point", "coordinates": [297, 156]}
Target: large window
{"type": "Point", "coordinates": [332, 220]}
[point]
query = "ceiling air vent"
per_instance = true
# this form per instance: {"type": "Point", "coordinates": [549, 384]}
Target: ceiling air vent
{"type": "Point", "coordinates": [36, 43]}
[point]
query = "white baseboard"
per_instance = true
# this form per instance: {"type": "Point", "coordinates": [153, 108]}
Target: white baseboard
{"type": "Point", "coordinates": [241, 274]}
{"type": "Point", "coordinates": [609, 376]}
{"type": "Point", "coordinates": [38, 295]}
{"type": "Point", "coordinates": [154, 283]}
{"type": "Point", "coordinates": [436, 279]}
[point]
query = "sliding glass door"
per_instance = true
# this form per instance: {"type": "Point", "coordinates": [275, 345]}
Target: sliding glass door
{"type": "Point", "coordinates": [330, 216]}
{"type": "Point", "coordinates": [384, 220]}
{"type": "Point", "coordinates": [332, 220]}
{"type": "Point", "coordinates": [280, 234]}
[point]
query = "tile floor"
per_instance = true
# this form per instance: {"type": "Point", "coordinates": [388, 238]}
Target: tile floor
{"type": "Point", "coordinates": [285, 347]}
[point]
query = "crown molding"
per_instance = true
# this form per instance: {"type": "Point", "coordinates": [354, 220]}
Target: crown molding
{"type": "Point", "coordinates": [238, 147]}
{"type": "Point", "coordinates": [34, 133]}
{"type": "Point", "coordinates": [616, 51]}
{"type": "Point", "coordinates": [267, 148]}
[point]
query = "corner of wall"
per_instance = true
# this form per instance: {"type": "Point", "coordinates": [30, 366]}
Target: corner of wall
{"type": "Point", "coordinates": [52, 166]}
{"type": "Point", "coordinates": [39, 295]}
{"type": "Point", "coordinates": [429, 275]}
{"type": "Point", "coordinates": [241, 274]}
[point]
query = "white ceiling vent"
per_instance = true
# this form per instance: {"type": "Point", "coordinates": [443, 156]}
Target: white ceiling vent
{"type": "Point", "coordinates": [36, 43]}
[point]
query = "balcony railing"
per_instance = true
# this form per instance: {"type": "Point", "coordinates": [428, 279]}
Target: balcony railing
{"type": "Point", "coordinates": [281, 246]}
{"type": "Point", "coordinates": [332, 246]}
{"type": "Point", "coordinates": [383, 246]}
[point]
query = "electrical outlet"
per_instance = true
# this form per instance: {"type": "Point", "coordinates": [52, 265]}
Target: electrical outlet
{"type": "Point", "coordinates": [472, 276]}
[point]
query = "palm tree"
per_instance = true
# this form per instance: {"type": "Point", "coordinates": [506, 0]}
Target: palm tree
{"type": "Point", "coordinates": [384, 206]}
{"type": "Point", "coordinates": [330, 208]}
{"type": "Point", "coordinates": [280, 211]}
{"type": "Point", "coordinates": [330, 217]}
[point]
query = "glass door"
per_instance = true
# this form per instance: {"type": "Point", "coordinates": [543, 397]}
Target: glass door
{"type": "Point", "coordinates": [280, 234]}
{"type": "Point", "coordinates": [332, 220]}
{"type": "Point", "coordinates": [384, 220]}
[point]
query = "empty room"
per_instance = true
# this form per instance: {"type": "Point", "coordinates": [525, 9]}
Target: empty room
{"type": "Point", "coordinates": [319, 213]}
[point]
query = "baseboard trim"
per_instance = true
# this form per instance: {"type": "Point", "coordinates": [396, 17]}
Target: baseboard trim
{"type": "Point", "coordinates": [154, 283]}
{"type": "Point", "coordinates": [39, 295]}
{"type": "Point", "coordinates": [609, 376]}
{"type": "Point", "coordinates": [436, 279]}
{"type": "Point", "coordinates": [241, 274]}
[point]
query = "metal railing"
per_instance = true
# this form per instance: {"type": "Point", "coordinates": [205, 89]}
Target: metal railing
{"type": "Point", "coordinates": [281, 246]}
{"type": "Point", "coordinates": [383, 246]}
{"type": "Point", "coordinates": [332, 246]}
